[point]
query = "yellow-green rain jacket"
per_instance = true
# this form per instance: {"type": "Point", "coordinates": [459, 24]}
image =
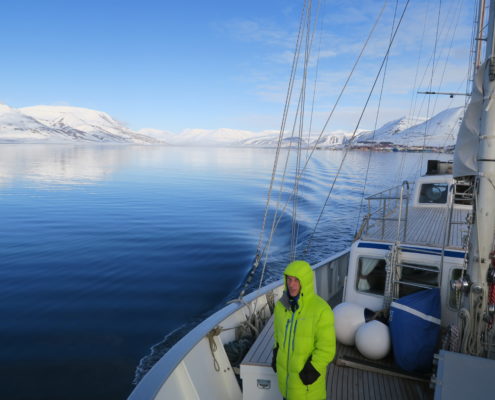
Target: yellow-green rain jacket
{"type": "Point", "coordinates": [305, 335]}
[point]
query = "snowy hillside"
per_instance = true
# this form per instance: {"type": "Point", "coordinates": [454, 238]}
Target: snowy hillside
{"type": "Point", "coordinates": [389, 131]}
{"type": "Point", "coordinates": [62, 124]}
{"type": "Point", "coordinates": [439, 131]}
{"type": "Point", "coordinates": [18, 127]}
{"type": "Point", "coordinates": [205, 137]}
{"type": "Point", "coordinates": [241, 138]}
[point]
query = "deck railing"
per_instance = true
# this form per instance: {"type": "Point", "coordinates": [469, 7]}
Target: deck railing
{"type": "Point", "coordinates": [390, 205]}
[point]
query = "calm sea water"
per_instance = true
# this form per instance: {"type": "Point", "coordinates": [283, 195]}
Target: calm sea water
{"type": "Point", "coordinates": [106, 250]}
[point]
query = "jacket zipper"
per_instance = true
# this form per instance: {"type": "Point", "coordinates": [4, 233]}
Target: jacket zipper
{"type": "Point", "coordinates": [285, 335]}
{"type": "Point", "coordinates": [288, 353]}
{"type": "Point", "coordinates": [294, 336]}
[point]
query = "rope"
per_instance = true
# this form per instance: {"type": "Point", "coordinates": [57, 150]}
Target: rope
{"type": "Point", "coordinates": [391, 259]}
{"type": "Point", "coordinates": [253, 324]}
{"type": "Point", "coordinates": [213, 345]}
{"type": "Point", "coordinates": [491, 300]}
{"type": "Point", "coordinates": [451, 340]}
{"type": "Point", "coordinates": [471, 342]}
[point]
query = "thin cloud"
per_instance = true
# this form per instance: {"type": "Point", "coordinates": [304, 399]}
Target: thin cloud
{"type": "Point", "coordinates": [345, 28]}
{"type": "Point", "coordinates": [259, 31]}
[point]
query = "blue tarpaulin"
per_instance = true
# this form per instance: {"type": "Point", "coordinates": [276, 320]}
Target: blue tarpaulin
{"type": "Point", "coordinates": [415, 328]}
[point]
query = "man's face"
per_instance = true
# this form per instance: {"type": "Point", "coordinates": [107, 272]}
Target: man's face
{"type": "Point", "coordinates": [293, 286]}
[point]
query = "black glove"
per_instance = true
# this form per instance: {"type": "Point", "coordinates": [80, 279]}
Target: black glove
{"type": "Point", "coordinates": [309, 374]}
{"type": "Point", "coordinates": [274, 358]}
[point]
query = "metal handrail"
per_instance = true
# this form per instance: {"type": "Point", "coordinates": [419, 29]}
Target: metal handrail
{"type": "Point", "coordinates": [389, 201]}
{"type": "Point", "coordinates": [375, 196]}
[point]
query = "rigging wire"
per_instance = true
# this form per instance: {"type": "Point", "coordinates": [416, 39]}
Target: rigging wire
{"type": "Point", "coordinates": [317, 66]}
{"type": "Point", "coordinates": [309, 46]}
{"type": "Point", "coordinates": [416, 109]}
{"type": "Point", "coordinates": [302, 101]}
{"type": "Point", "coordinates": [454, 30]}
{"type": "Point", "coordinates": [450, 33]}
{"type": "Point", "coordinates": [370, 152]}
{"type": "Point", "coordinates": [451, 30]}
{"type": "Point", "coordinates": [455, 127]}
{"type": "Point", "coordinates": [420, 164]}
{"type": "Point", "coordinates": [295, 61]}
{"type": "Point", "coordinates": [414, 95]}
{"type": "Point", "coordinates": [356, 62]}
{"type": "Point", "coordinates": [305, 16]}
{"type": "Point", "coordinates": [357, 126]}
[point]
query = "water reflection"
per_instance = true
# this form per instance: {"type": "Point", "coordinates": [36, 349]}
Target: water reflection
{"type": "Point", "coordinates": [60, 164]}
{"type": "Point", "coordinates": [90, 164]}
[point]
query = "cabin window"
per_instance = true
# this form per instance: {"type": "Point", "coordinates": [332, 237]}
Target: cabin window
{"type": "Point", "coordinates": [371, 275]}
{"type": "Point", "coordinates": [416, 277]}
{"type": "Point", "coordinates": [433, 193]}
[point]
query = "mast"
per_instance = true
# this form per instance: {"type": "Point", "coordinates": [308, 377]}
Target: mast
{"type": "Point", "coordinates": [483, 230]}
{"type": "Point", "coordinates": [479, 35]}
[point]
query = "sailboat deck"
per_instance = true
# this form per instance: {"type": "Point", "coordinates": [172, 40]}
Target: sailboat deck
{"type": "Point", "coordinates": [426, 226]}
{"type": "Point", "coordinates": [351, 376]}
{"type": "Point", "coordinates": [363, 381]}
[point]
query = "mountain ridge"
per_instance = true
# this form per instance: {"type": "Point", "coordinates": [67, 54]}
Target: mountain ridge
{"type": "Point", "coordinates": [66, 124]}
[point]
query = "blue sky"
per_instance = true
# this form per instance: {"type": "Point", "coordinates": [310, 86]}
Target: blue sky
{"type": "Point", "coordinates": [219, 64]}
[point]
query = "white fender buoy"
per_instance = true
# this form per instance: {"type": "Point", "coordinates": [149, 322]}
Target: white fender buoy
{"type": "Point", "coordinates": [348, 318]}
{"type": "Point", "coordinates": [373, 340]}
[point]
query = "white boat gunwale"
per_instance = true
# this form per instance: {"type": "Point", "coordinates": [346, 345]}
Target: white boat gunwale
{"type": "Point", "coordinates": [157, 376]}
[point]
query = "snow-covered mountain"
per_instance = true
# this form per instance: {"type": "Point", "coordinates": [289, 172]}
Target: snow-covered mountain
{"type": "Point", "coordinates": [439, 131]}
{"type": "Point", "coordinates": [16, 126]}
{"type": "Point", "coordinates": [62, 124]}
{"type": "Point", "coordinates": [389, 131]}
{"type": "Point", "coordinates": [242, 138]}
{"type": "Point", "coordinates": [208, 137]}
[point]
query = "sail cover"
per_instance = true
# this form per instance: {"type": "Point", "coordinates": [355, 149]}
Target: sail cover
{"type": "Point", "coordinates": [466, 148]}
{"type": "Point", "coordinates": [415, 328]}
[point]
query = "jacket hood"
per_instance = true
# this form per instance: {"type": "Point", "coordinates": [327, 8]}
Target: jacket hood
{"type": "Point", "coordinates": [302, 271]}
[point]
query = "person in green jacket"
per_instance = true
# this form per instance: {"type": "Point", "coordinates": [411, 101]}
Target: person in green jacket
{"type": "Point", "coordinates": [304, 336]}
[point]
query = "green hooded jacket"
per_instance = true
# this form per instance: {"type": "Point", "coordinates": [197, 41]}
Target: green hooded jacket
{"type": "Point", "coordinates": [304, 339]}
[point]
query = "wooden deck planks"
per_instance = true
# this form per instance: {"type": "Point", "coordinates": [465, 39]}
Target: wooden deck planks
{"type": "Point", "coordinates": [261, 351]}
{"type": "Point", "coordinates": [347, 383]}
{"type": "Point", "coordinates": [425, 226]}
{"type": "Point", "coordinates": [356, 384]}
